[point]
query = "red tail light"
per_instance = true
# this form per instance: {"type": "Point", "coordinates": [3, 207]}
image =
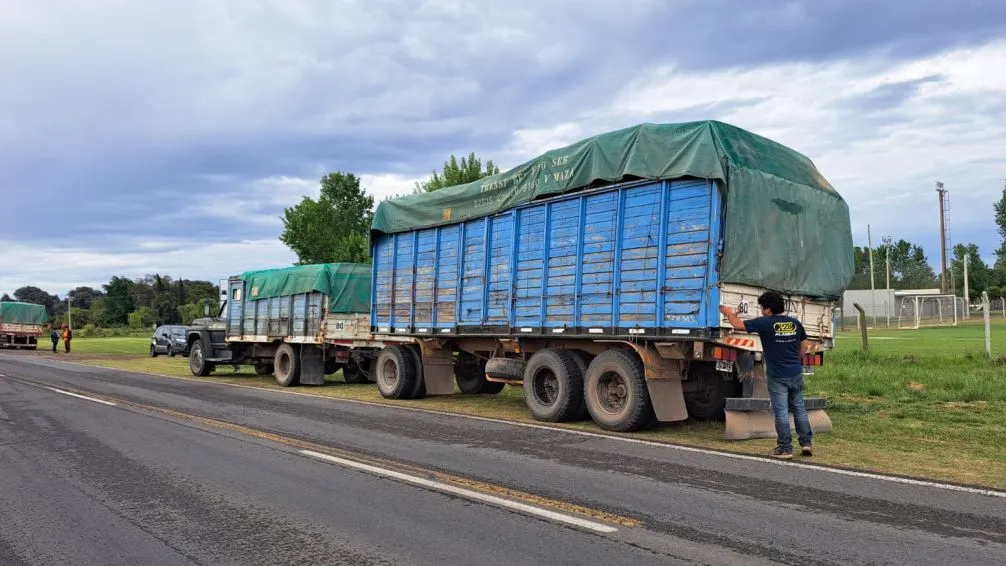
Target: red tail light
{"type": "Point", "coordinates": [721, 353]}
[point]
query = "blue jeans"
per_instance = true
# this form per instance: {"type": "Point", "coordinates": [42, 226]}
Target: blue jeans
{"type": "Point", "coordinates": [786, 394]}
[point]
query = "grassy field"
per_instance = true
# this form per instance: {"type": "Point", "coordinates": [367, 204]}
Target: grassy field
{"type": "Point", "coordinates": [923, 403]}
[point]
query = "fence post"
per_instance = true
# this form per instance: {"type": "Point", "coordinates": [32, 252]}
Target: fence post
{"type": "Point", "coordinates": [862, 325]}
{"type": "Point", "coordinates": [988, 336]}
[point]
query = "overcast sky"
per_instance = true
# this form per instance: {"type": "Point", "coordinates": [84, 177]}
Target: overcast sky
{"type": "Point", "coordinates": [168, 136]}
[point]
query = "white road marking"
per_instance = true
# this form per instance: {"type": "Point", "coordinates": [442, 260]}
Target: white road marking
{"type": "Point", "coordinates": [109, 403]}
{"type": "Point", "coordinates": [762, 460]}
{"type": "Point", "coordinates": [467, 493]}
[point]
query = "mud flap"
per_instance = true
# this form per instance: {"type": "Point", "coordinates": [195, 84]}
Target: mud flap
{"type": "Point", "coordinates": [312, 366]}
{"type": "Point", "coordinates": [753, 418]}
{"type": "Point", "coordinates": [667, 399]}
{"type": "Point", "coordinates": [438, 369]}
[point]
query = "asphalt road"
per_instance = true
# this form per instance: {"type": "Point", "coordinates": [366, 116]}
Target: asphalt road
{"type": "Point", "coordinates": [168, 471]}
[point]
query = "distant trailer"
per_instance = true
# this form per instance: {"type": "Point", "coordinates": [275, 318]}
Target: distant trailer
{"type": "Point", "coordinates": [21, 324]}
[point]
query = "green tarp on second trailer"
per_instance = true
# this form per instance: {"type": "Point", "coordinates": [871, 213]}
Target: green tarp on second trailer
{"type": "Point", "coordinates": [346, 284]}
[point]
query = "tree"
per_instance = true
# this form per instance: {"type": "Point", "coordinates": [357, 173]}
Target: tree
{"type": "Point", "coordinates": [165, 309]}
{"type": "Point", "coordinates": [467, 171]}
{"type": "Point", "coordinates": [909, 267]}
{"type": "Point", "coordinates": [83, 296]}
{"type": "Point", "coordinates": [191, 311]}
{"type": "Point", "coordinates": [318, 231]}
{"type": "Point", "coordinates": [978, 273]}
{"type": "Point", "coordinates": [1000, 217]}
{"type": "Point", "coordinates": [142, 317]}
{"type": "Point", "coordinates": [199, 290]}
{"type": "Point", "coordinates": [118, 301]}
{"type": "Point", "coordinates": [39, 297]}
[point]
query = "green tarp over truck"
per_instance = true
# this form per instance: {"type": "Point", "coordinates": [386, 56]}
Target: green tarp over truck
{"type": "Point", "coordinates": [346, 284]}
{"type": "Point", "coordinates": [22, 313]}
{"type": "Point", "coordinates": [786, 228]}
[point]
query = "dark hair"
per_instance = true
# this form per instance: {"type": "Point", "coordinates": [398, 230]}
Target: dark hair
{"type": "Point", "coordinates": [772, 301]}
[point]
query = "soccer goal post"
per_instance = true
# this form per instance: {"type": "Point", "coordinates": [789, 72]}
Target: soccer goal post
{"type": "Point", "coordinates": [922, 310]}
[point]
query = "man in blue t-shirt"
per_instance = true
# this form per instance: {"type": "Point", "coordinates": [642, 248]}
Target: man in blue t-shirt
{"type": "Point", "coordinates": [784, 342]}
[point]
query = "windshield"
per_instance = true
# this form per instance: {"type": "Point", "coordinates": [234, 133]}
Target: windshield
{"type": "Point", "coordinates": [178, 331]}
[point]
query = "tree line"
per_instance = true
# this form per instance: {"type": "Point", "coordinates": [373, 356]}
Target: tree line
{"type": "Point", "coordinates": [910, 268]}
{"type": "Point", "coordinates": [122, 302]}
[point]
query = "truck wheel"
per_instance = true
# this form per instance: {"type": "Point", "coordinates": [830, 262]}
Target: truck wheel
{"type": "Point", "coordinates": [263, 369]}
{"type": "Point", "coordinates": [353, 373]}
{"type": "Point", "coordinates": [709, 400]}
{"type": "Point", "coordinates": [470, 375]}
{"type": "Point", "coordinates": [287, 366]}
{"type": "Point", "coordinates": [615, 387]}
{"type": "Point", "coordinates": [582, 360]}
{"type": "Point", "coordinates": [331, 366]}
{"type": "Point", "coordinates": [419, 389]}
{"type": "Point", "coordinates": [396, 372]}
{"type": "Point", "coordinates": [197, 362]}
{"type": "Point", "coordinates": [553, 386]}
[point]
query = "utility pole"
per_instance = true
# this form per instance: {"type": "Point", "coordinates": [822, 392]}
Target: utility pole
{"type": "Point", "coordinates": [887, 300]}
{"type": "Point", "coordinates": [873, 289]}
{"type": "Point", "coordinates": [943, 239]}
{"type": "Point", "coordinates": [967, 299]}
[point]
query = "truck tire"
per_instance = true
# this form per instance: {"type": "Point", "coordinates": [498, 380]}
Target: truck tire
{"type": "Point", "coordinates": [553, 386]}
{"type": "Point", "coordinates": [615, 388]}
{"type": "Point", "coordinates": [582, 360]}
{"type": "Point", "coordinates": [353, 373]}
{"type": "Point", "coordinates": [287, 366]}
{"type": "Point", "coordinates": [505, 368]}
{"type": "Point", "coordinates": [709, 400]}
{"type": "Point", "coordinates": [197, 361]}
{"type": "Point", "coordinates": [396, 372]}
{"type": "Point", "coordinates": [263, 369]}
{"type": "Point", "coordinates": [419, 388]}
{"type": "Point", "coordinates": [470, 375]}
{"type": "Point", "coordinates": [332, 367]}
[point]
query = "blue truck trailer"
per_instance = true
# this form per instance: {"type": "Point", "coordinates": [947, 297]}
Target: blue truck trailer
{"type": "Point", "coordinates": [592, 277]}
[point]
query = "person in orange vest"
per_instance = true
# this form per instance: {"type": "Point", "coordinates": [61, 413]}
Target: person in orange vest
{"type": "Point", "coordinates": [67, 336]}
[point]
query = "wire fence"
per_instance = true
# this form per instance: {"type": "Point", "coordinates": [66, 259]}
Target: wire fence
{"type": "Point", "coordinates": [926, 313]}
{"type": "Point", "coordinates": [933, 333]}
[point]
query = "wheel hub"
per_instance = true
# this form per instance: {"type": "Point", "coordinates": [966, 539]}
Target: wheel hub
{"type": "Point", "coordinates": [612, 392]}
{"type": "Point", "coordinates": [546, 386]}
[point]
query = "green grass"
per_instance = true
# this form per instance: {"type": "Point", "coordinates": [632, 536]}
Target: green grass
{"type": "Point", "coordinates": [924, 402]}
{"type": "Point", "coordinates": [951, 341]}
{"type": "Point", "coordinates": [130, 345]}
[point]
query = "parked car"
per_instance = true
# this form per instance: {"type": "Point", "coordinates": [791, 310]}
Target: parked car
{"type": "Point", "coordinates": [168, 339]}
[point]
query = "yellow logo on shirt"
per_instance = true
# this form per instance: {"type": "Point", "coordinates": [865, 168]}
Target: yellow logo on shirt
{"type": "Point", "coordinates": [783, 328]}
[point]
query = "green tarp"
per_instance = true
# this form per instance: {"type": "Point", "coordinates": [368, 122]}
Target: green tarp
{"type": "Point", "coordinates": [786, 228]}
{"type": "Point", "coordinates": [346, 284]}
{"type": "Point", "coordinates": [22, 313]}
